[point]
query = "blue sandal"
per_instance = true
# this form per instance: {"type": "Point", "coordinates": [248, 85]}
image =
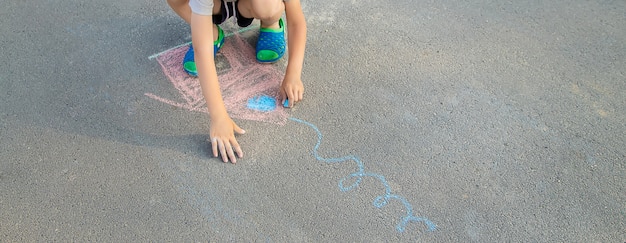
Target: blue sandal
{"type": "Point", "coordinates": [271, 44]}
{"type": "Point", "coordinates": [189, 64]}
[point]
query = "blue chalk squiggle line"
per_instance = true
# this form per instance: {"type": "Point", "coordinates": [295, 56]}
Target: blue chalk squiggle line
{"type": "Point", "coordinates": [380, 201]}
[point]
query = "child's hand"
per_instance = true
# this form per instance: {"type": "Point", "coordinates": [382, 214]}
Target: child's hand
{"type": "Point", "coordinates": [291, 89]}
{"type": "Point", "coordinates": [223, 138]}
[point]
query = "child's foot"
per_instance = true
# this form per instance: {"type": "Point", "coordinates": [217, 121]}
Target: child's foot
{"type": "Point", "coordinates": [189, 63]}
{"type": "Point", "coordinates": [271, 44]}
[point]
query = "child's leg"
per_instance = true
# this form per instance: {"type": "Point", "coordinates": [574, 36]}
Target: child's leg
{"type": "Point", "coordinates": [181, 7]}
{"type": "Point", "coordinates": [270, 46]}
{"type": "Point", "coordinates": [268, 11]}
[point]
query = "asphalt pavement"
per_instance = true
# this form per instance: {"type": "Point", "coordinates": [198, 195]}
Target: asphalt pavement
{"type": "Point", "coordinates": [423, 121]}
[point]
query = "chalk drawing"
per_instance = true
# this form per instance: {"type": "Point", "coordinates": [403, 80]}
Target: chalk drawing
{"type": "Point", "coordinates": [244, 79]}
{"type": "Point", "coordinates": [250, 91]}
{"type": "Point", "coordinates": [262, 103]}
{"type": "Point", "coordinates": [358, 176]}
{"type": "Point", "coordinates": [251, 27]}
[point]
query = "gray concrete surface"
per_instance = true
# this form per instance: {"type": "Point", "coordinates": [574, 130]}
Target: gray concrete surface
{"type": "Point", "coordinates": [496, 120]}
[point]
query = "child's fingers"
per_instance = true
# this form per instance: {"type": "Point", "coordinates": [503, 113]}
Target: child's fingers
{"type": "Point", "coordinates": [292, 100]}
{"type": "Point", "coordinates": [238, 130]}
{"type": "Point", "coordinates": [296, 96]}
{"type": "Point", "coordinates": [231, 153]}
{"type": "Point", "coordinates": [282, 95]}
{"type": "Point", "coordinates": [228, 151]}
{"type": "Point", "coordinates": [237, 149]}
{"type": "Point", "coordinates": [222, 148]}
{"type": "Point", "coordinates": [214, 145]}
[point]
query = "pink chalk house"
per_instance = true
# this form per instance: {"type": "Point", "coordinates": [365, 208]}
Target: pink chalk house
{"type": "Point", "coordinates": [243, 80]}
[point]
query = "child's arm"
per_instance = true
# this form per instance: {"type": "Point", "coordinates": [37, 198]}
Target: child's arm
{"type": "Point", "coordinates": [292, 87]}
{"type": "Point", "coordinates": [222, 126]}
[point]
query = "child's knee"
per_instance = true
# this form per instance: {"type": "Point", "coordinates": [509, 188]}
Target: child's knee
{"type": "Point", "coordinates": [266, 9]}
{"type": "Point", "coordinates": [177, 3]}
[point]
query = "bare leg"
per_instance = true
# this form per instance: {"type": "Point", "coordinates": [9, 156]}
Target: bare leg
{"type": "Point", "coordinates": [268, 11]}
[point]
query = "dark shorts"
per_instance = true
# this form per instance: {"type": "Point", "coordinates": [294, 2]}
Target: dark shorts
{"type": "Point", "coordinates": [231, 9]}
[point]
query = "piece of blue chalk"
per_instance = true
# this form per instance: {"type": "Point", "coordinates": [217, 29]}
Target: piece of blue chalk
{"type": "Point", "coordinates": [286, 103]}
